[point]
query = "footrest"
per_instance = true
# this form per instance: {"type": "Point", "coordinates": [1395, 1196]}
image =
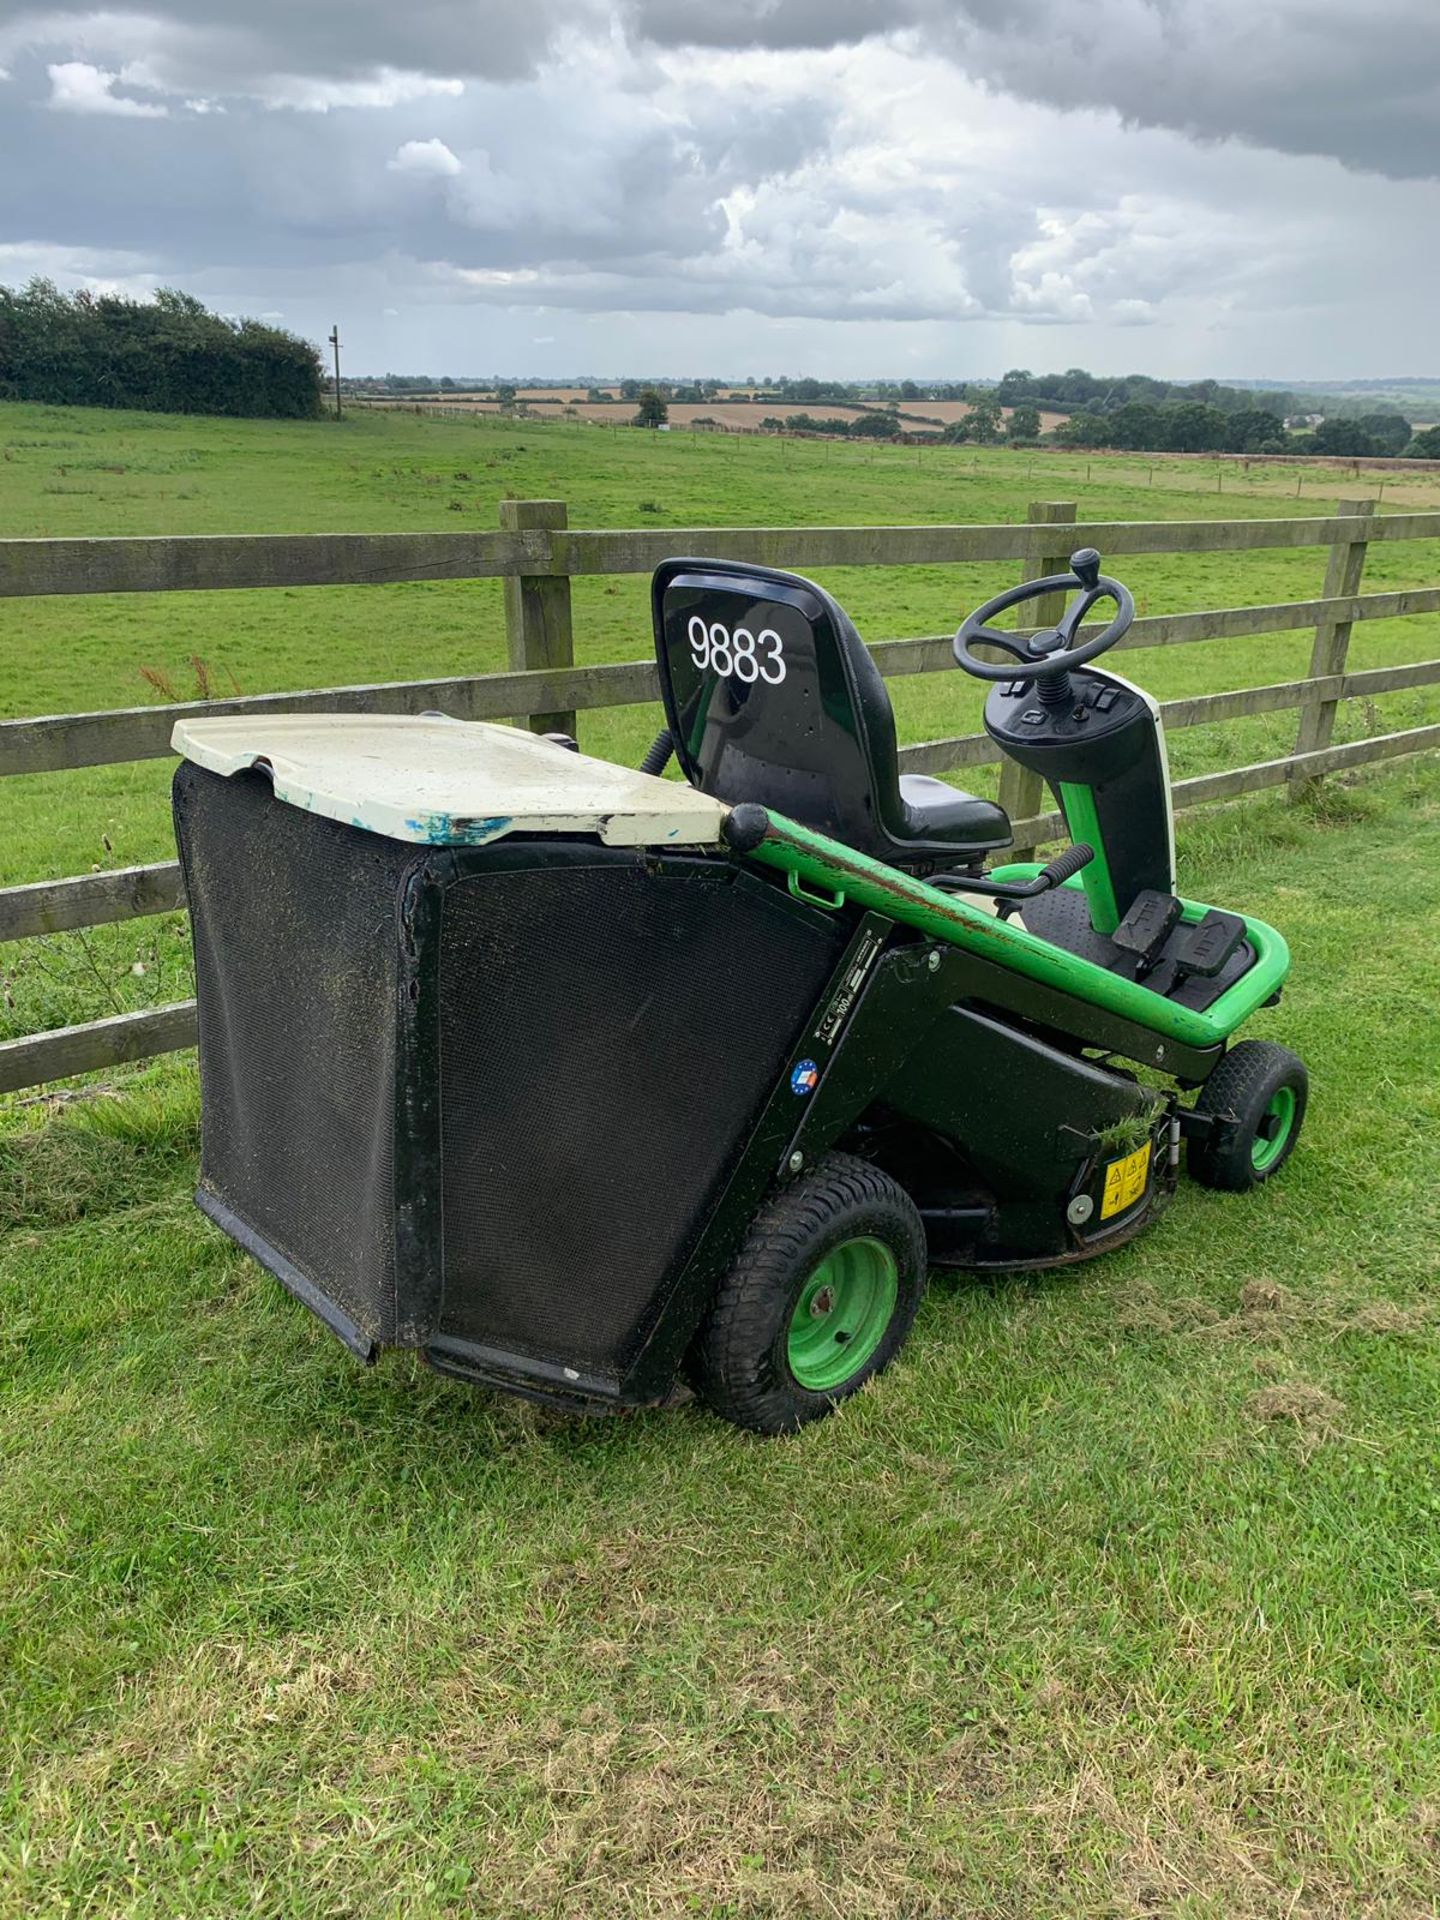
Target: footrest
{"type": "Point", "coordinates": [1205, 947]}
{"type": "Point", "coordinates": [1147, 926]}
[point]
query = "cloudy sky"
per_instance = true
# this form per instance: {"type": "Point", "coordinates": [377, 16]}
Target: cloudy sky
{"type": "Point", "coordinates": [917, 187]}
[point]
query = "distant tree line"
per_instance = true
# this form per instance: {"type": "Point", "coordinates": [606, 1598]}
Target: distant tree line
{"type": "Point", "coordinates": [1131, 413]}
{"type": "Point", "coordinates": [169, 355]}
{"type": "Point", "coordinates": [807, 391]}
{"type": "Point", "coordinates": [864, 426]}
{"type": "Point", "coordinates": [1190, 426]}
{"type": "Point", "coordinates": [1135, 413]}
{"type": "Point", "coordinates": [1075, 389]}
{"type": "Point", "coordinates": [1177, 426]}
{"type": "Point", "coordinates": [984, 425]}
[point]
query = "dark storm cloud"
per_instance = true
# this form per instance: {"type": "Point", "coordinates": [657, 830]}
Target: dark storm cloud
{"type": "Point", "coordinates": [1357, 80]}
{"type": "Point", "coordinates": [206, 45]}
{"type": "Point", "coordinates": [771, 23]}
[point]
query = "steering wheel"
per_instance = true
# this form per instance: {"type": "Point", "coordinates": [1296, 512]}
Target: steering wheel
{"type": "Point", "coordinates": [1052, 652]}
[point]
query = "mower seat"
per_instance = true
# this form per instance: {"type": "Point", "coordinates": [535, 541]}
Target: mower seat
{"type": "Point", "coordinates": [771, 696]}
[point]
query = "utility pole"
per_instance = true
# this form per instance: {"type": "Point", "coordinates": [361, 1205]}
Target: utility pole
{"type": "Point", "coordinates": [335, 343]}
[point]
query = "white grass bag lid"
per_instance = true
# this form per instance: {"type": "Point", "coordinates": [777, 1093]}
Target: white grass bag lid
{"type": "Point", "coordinates": [448, 783]}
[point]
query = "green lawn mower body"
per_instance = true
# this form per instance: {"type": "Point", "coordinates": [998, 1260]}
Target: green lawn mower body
{"type": "Point", "coordinates": [590, 1085]}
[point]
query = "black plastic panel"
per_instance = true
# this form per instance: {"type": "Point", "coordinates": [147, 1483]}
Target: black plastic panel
{"type": "Point", "coordinates": [294, 923]}
{"type": "Point", "coordinates": [609, 1036]}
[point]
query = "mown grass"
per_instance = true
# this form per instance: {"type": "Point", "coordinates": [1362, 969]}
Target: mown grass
{"type": "Point", "coordinates": [1118, 1596]}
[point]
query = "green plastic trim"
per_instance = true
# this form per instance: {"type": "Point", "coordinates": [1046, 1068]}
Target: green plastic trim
{"type": "Point", "coordinates": [792, 848]}
{"type": "Point", "coordinates": [828, 902]}
{"type": "Point", "coordinates": [1280, 1107]}
{"type": "Point", "coordinates": [1082, 817]}
{"type": "Point", "coordinates": [842, 1313]}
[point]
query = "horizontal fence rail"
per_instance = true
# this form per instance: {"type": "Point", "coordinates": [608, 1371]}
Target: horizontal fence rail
{"type": "Point", "coordinates": [129, 893]}
{"type": "Point", "coordinates": [54, 743]}
{"type": "Point", "coordinates": [537, 555]}
{"type": "Point", "coordinates": [209, 562]}
{"type": "Point", "coordinates": [112, 1042]}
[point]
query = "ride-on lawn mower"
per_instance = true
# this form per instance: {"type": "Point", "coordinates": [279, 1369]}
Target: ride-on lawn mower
{"type": "Point", "coordinates": [588, 1082]}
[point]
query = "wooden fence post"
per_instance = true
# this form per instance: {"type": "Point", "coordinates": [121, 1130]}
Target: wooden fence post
{"type": "Point", "coordinates": [537, 608]}
{"type": "Point", "coordinates": [1022, 794]}
{"type": "Point", "coordinates": [1332, 638]}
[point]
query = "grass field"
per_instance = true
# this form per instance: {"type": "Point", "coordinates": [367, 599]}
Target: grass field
{"type": "Point", "coordinates": [75, 472]}
{"type": "Point", "coordinates": [1119, 1595]}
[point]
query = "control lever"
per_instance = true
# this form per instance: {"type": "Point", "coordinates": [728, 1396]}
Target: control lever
{"type": "Point", "coordinates": [1062, 868]}
{"type": "Point", "coordinates": [1013, 893]}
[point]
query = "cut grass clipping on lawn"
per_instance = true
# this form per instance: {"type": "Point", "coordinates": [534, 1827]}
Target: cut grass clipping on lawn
{"type": "Point", "coordinates": [1118, 1595]}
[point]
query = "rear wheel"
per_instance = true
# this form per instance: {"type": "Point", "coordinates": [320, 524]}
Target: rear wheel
{"type": "Point", "coordinates": [1258, 1092]}
{"type": "Point", "coordinates": [821, 1298]}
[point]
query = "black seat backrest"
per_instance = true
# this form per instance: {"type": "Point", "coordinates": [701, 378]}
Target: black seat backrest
{"type": "Point", "coordinates": [772, 696]}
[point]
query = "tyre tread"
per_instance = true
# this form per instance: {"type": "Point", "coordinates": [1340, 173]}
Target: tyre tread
{"type": "Point", "coordinates": [731, 1358]}
{"type": "Point", "coordinates": [1248, 1070]}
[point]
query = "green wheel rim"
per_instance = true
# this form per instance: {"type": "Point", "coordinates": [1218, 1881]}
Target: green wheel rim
{"type": "Point", "coordinates": [1278, 1122]}
{"type": "Point", "coordinates": [842, 1313]}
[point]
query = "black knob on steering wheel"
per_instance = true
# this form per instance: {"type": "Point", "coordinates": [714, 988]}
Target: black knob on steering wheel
{"type": "Point", "coordinates": [1053, 651]}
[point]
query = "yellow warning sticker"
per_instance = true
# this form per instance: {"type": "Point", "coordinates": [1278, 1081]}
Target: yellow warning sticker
{"type": "Point", "coordinates": [1125, 1181]}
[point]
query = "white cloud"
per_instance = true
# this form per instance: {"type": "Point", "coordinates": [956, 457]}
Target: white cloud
{"type": "Point", "coordinates": [488, 277]}
{"type": "Point", "coordinates": [75, 269]}
{"type": "Point", "coordinates": [77, 87]}
{"type": "Point", "coordinates": [425, 156]}
{"type": "Point", "coordinates": [386, 87]}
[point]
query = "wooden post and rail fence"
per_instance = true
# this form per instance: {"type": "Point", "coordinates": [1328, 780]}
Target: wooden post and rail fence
{"type": "Point", "coordinates": [537, 554]}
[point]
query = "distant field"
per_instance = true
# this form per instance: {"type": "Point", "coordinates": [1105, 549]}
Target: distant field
{"type": "Point", "coordinates": [916, 416]}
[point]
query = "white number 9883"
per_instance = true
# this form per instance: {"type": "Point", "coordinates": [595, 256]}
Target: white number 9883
{"type": "Point", "coordinates": [749, 656]}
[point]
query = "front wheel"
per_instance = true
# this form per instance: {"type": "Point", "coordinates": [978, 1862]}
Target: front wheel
{"type": "Point", "coordinates": [1258, 1094]}
{"type": "Point", "coordinates": [821, 1298]}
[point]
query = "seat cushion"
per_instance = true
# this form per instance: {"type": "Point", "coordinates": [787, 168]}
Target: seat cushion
{"type": "Point", "coordinates": [936, 811]}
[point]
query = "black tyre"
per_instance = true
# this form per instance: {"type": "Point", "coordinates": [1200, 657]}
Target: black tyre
{"type": "Point", "coordinates": [1262, 1089]}
{"type": "Point", "coordinates": [824, 1291]}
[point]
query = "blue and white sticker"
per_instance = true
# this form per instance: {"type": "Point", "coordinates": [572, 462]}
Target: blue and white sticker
{"type": "Point", "coordinates": [804, 1078]}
